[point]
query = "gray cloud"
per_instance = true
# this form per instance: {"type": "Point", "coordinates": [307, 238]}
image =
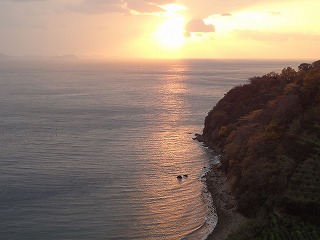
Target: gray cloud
{"type": "Point", "coordinates": [159, 2]}
{"type": "Point", "coordinates": [198, 26]}
{"type": "Point", "coordinates": [120, 6]}
{"type": "Point", "coordinates": [143, 6]}
{"type": "Point", "coordinates": [97, 6]}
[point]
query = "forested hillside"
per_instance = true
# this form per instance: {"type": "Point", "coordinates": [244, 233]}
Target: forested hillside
{"type": "Point", "coordinates": [268, 133]}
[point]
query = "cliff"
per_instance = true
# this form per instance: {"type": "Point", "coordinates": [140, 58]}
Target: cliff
{"type": "Point", "coordinates": [268, 133]}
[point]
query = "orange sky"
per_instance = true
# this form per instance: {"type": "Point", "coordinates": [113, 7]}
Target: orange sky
{"type": "Point", "coordinates": [161, 28]}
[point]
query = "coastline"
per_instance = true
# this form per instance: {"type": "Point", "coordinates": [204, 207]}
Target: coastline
{"type": "Point", "coordinates": [224, 203]}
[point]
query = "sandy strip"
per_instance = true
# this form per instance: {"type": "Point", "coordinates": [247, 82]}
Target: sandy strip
{"type": "Point", "coordinates": [228, 218]}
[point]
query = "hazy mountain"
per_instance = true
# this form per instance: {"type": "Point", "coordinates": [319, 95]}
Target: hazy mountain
{"type": "Point", "coordinates": [65, 57]}
{"type": "Point", "coordinates": [3, 56]}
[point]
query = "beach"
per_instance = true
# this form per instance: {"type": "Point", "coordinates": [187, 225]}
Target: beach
{"type": "Point", "coordinates": [225, 204]}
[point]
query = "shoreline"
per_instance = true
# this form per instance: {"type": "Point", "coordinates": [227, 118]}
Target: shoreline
{"type": "Point", "coordinates": [224, 203]}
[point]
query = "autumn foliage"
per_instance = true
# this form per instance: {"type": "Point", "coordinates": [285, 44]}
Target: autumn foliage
{"type": "Point", "coordinates": [265, 131]}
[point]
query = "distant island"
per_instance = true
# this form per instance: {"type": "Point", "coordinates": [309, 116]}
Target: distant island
{"type": "Point", "coordinates": [268, 135]}
{"type": "Point", "coordinates": [3, 56]}
{"type": "Point", "coordinates": [35, 57]}
{"type": "Point", "coordinates": [65, 57]}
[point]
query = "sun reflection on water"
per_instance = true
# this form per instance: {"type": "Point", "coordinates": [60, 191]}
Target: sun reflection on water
{"type": "Point", "coordinates": [176, 206]}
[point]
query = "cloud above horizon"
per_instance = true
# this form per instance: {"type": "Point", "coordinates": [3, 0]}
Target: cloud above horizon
{"type": "Point", "coordinates": [196, 10]}
{"type": "Point", "coordinates": [97, 6]}
{"type": "Point", "coordinates": [128, 27]}
{"type": "Point", "coordinates": [198, 26]}
{"type": "Point", "coordinates": [143, 6]}
{"type": "Point", "coordinates": [118, 6]}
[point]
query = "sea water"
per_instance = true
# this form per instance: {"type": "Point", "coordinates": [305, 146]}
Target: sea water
{"type": "Point", "coordinates": [92, 149]}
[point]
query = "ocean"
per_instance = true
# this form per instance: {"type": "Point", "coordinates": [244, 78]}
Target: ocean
{"type": "Point", "coordinates": [92, 149]}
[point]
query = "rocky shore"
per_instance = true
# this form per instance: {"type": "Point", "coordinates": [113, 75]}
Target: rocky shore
{"type": "Point", "coordinates": [224, 202]}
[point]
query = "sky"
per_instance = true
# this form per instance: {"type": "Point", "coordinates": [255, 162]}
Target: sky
{"type": "Point", "coordinates": [232, 29]}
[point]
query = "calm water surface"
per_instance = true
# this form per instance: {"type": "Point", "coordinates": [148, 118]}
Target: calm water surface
{"type": "Point", "coordinates": [91, 150]}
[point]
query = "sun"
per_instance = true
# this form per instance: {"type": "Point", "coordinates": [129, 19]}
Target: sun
{"type": "Point", "coordinates": [170, 34]}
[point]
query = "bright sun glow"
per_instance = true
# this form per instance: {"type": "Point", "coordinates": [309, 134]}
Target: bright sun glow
{"type": "Point", "coordinates": [170, 34]}
{"type": "Point", "coordinates": [173, 8]}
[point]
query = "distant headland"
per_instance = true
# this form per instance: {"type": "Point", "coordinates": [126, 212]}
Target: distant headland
{"type": "Point", "coordinates": [268, 135]}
